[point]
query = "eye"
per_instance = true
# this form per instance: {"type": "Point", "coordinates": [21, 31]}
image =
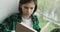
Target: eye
{"type": "Point", "coordinates": [31, 8]}
{"type": "Point", "coordinates": [26, 7]}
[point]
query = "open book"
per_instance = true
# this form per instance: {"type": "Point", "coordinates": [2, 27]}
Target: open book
{"type": "Point", "coordinates": [20, 27]}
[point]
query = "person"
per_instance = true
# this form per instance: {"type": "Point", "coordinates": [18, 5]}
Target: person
{"type": "Point", "coordinates": [27, 8]}
{"type": "Point", "coordinates": [56, 30]}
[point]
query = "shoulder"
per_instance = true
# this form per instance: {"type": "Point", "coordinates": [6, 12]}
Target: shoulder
{"type": "Point", "coordinates": [13, 15]}
{"type": "Point", "coordinates": [34, 17]}
{"type": "Point", "coordinates": [11, 18]}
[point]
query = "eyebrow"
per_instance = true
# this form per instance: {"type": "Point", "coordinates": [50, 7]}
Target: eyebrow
{"type": "Point", "coordinates": [27, 7]}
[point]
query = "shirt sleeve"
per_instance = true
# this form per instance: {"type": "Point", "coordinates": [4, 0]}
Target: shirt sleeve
{"type": "Point", "coordinates": [8, 24]}
{"type": "Point", "coordinates": [2, 29]}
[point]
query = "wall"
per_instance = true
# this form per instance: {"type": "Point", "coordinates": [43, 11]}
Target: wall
{"type": "Point", "coordinates": [7, 7]}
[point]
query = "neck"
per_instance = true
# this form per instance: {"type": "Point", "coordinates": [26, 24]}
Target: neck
{"type": "Point", "coordinates": [25, 16]}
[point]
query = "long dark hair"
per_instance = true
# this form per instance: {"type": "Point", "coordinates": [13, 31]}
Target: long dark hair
{"type": "Point", "coordinates": [27, 1]}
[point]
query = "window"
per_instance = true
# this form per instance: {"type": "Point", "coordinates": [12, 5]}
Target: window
{"type": "Point", "coordinates": [49, 10]}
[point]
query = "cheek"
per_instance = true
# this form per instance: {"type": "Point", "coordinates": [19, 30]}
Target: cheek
{"type": "Point", "coordinates": [23, 10]}
{"type": "Point", "coordinates": [31, 11]}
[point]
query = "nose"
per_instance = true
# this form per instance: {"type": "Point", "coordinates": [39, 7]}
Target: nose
{"type": "Point", "coordinates": [28, 10]}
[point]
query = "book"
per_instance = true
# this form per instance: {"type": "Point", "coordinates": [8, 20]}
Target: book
{"type": "Point", "coordinates": [20, 27]}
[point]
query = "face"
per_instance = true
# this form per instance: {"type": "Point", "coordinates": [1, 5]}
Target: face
{"type": "Point", "coordinates": [28, 8]}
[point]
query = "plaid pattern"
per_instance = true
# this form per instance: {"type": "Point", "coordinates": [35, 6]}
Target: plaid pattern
{"type": "Point", "coordinates": [9, 24]}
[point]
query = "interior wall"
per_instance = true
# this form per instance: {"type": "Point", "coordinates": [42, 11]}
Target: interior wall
{"type": "Point", "coordinates": [7, 7]}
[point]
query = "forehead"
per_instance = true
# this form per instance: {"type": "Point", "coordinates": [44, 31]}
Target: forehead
{"type": "Point", "coordinates": [31, 4]}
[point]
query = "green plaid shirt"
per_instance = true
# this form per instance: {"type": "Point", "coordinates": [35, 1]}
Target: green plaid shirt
{"type": "Point", "coordinates": [9, 24]}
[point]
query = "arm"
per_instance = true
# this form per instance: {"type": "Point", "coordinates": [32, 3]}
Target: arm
{"type": "Point", "coordinates": [45, 28]}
